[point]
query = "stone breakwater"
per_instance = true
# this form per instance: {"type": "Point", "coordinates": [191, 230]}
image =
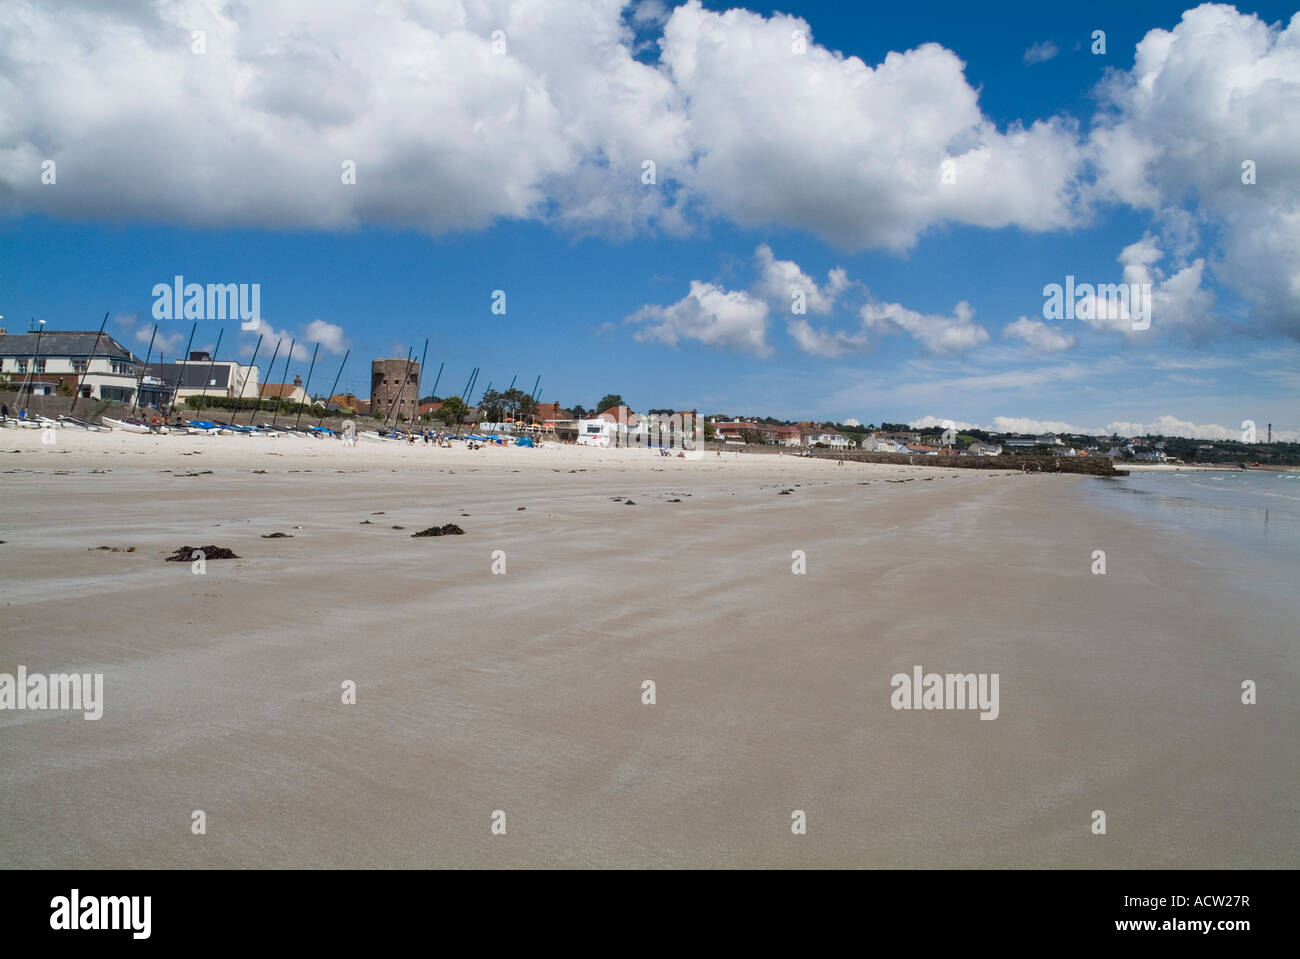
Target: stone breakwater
{"type": "Point", "coordinates": [1091, 465]}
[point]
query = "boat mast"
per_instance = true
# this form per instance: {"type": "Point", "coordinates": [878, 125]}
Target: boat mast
{"type": "Point", "coordinates": [212, 362]}
{"type": "Point", "coordinates": [76, 396]}
{"type": "Point", "coordinates": [415, 413]}
{"type": "Point", "coordinates": [243, 384]}
{"type": "Point", "coordinates": [434, 391]}
{"type": "Point", "coordinates": [35, 355]}
{"type": "Point", "coordinates": [276, 414]}
{"type": "Point", "coordinates": [144, 370]}
{"type": "Point", "coordinates": [261, 387]}
{"type": "Point", "coordinates": [176, 394]}
{"type": "Point", "coordinates": [333, 388]}
{"type": "Point", "coordinates": [307, 389]}
{"type": "Point", "coordinates": [392, 400]}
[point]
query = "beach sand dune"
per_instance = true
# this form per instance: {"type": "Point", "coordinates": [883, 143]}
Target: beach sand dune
{"type": "Point", "coordinates": [522, 691]}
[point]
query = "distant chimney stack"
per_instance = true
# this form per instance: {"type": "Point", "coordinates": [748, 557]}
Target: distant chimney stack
{"type": "Point", "coordinates": [297, 381]}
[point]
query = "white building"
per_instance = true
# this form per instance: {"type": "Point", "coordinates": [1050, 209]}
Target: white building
{"type": "Point", "coordinates": [836, 441]}
{"type": "Point", "coordinates": [597, 432]}
{"type": "Point", "coordinates": [94, 363]}
{"type": "Point", "coordinates": [201, 376]}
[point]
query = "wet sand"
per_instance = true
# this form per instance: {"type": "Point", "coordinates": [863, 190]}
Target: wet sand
{"type": "Point", "coordinates": [522, 692]}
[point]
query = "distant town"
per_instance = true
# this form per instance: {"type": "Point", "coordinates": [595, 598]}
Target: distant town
{"type": "Point", "coordinates": [93, 366]}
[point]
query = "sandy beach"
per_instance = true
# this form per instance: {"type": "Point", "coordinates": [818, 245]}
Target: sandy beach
{"type": "Point", "coordinates": [522, 691]}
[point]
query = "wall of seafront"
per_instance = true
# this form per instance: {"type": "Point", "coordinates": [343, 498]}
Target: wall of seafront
{"type": "Point", "coordinates": [92, 410]}
{"type": "Point", "coordinates": [1091, 465]}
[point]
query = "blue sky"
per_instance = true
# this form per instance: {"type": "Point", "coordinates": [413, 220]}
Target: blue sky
{"type": "Point", "coordinates": [520, 170]}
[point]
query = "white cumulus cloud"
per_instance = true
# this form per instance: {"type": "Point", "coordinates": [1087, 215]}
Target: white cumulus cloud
{"type": "Point", "coordinates": [711, 315]}
{"type": "Point", "coordinates": [941, 422]}
{"type": "Point", "coordinates": [781, 280]}
{"type": "Point", "coordinates": [936, 333]}
{"type": "Point", "coordinates": [1039, 336]}
{"type": "Point", "coordinates": [329, 335]}
{"type": "Point", "coordinates": [332, 116]}
{"type": "Point", "coordinates": [1041, 52]}
{"type": "Point", "coordinates": [1207, 105]}
{"type": "Point", "coordinates": [823, 342]}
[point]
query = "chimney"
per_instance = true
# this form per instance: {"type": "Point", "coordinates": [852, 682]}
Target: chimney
{"type": "Point", "coordinates": [297, 381]}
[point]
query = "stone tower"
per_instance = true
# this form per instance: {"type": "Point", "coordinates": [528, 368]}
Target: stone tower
{"type": "Point", "coordinates": [388, 392]}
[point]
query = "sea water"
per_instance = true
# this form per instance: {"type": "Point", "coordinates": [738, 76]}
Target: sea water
{"type": "Point", "coordinates": [1251, 516]}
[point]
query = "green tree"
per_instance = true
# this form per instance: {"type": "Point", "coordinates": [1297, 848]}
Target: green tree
{"type": "Point", "coordinates": [494, 405]}
{"type": "Point", "coordinates": [453, 410]}
{"type": "Point", "coordinates": [610, 399]}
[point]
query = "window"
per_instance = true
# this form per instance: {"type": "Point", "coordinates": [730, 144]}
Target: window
{"type": "Point", "coordinates": [85, 392]}
{"type": "Point", "coordinates": [78, 366]}
{"type": "Point", "coordinates": [22, 366]}
{"type": "Point", "coordinates": [40, 366]}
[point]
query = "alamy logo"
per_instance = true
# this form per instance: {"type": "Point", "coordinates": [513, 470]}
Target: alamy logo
{"type": "Point", "coordinates": [216, 301]}
{"type": "Point", "coordinates": [1105, 301]}
{"type": "Point", "coordinates": [102, 912]}
{"type": "Point", "coordinates": [83, 691]}
{"type": "Point", "coordinates": [668, 432]}
{"type": "Point", "coordinates": [948, 691]}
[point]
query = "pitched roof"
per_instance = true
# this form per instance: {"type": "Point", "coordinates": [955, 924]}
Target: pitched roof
{"type": "Point", "coordinates": [279, 390]}
{"type": "Point", "coordinates": [616, 414]}
{"type": "Point", "coordinates": [345, 401]}
{"type": "Point", "coordinates": [551, 411]}
{"type": "Point", "coordinates": [70, 343]}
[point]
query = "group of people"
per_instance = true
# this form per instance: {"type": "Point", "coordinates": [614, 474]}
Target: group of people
{"type": "Point", "coordinates": [437, 437]}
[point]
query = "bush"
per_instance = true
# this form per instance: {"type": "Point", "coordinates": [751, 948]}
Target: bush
{"type": "Point", "coordinates": [269, 406]}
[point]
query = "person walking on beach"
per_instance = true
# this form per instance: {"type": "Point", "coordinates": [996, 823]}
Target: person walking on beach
{"type": "Point", "coordinates": [4, 411]}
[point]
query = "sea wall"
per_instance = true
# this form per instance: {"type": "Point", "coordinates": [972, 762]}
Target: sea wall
{"type": "Point", "coordinates": [1091, 465]}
